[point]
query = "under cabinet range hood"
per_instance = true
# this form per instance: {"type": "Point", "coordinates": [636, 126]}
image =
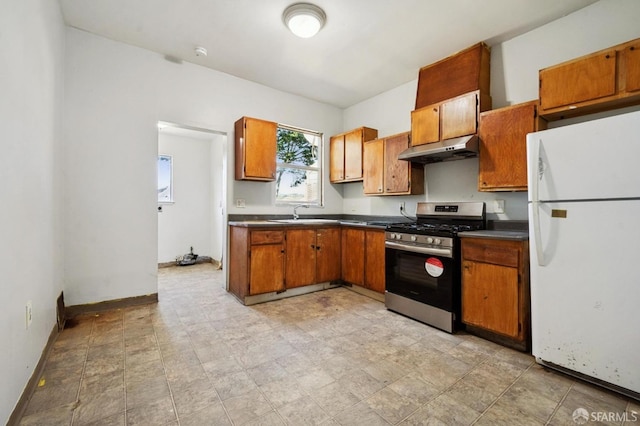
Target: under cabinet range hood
{"type": "Point", "coordinates": [446, 150]}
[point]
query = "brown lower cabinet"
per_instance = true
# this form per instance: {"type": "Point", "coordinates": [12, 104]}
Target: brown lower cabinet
{"type": "Point", "coordinates": [312, 256]}
{"type": "Point", "coordinates": [279, 258]}
{"type": "Point", "coordinates": [495, 290]}
{"type": "Point", "coordinates": [257, 259]}
{"type": "Point", "coordinates": [363, 258]}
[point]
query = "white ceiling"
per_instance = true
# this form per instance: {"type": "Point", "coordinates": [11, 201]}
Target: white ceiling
{"type": "Point", "coordinates": [366, 47]}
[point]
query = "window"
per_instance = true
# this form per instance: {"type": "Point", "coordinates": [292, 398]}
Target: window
{"type": "Point", "coordinates": [165, 179]}
{"type": "Point", "coordinates": [299, 171]}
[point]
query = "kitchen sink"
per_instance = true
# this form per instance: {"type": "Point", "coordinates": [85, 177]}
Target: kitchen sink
{"type": "Point", "coordinates": [304, 221]}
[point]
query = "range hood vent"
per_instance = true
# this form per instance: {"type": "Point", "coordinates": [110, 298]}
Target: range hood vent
{"type": "Point", "coordinates": [447, 150]}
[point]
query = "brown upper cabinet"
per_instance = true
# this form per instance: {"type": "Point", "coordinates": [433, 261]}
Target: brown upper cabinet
{"type": "Point", "coordinates": [255, 149]}
{"type": "Point", "coordinates": [463, 72]}
{"type": "Point", "coordinates": [345, 154]}
{"type": "Point", "coordinates": [384, 174]}
{"type": "Point", "coordinates": [600, 81]}
{"type": "Point", "coordinates": [449, 119]}
{"type": "Point", "coordinates": [503, 146]}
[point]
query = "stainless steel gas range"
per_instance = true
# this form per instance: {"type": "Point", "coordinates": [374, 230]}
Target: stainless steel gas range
{"type": "Point", "coordinates": [422, 272]}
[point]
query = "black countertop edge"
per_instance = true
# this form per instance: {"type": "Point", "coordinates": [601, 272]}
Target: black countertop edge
{"type": "Point", "coordinates": [345, 217]}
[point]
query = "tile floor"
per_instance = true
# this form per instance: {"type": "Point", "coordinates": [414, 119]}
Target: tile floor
{"type": "Point", "coordinates": [335, 357]}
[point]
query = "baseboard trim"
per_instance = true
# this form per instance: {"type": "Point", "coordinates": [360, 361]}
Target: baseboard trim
{"type": "Point", "coordinates": [366, 292]}
{"type": "Point", "coordinates": [107, 305]}
{"type": "Point", "coordinates": [32, 384]}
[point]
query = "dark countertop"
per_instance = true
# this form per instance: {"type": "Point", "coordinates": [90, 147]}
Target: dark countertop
{"type": "Point", "coordinates": [302, 222]}
{"type": "Point", "coordinates": [495, 234]}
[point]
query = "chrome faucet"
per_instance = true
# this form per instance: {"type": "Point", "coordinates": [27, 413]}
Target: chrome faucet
{"type": "Point", "coordinates": [295, 210]}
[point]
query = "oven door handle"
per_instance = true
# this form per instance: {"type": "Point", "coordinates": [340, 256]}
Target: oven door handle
{"type": "Point", "coordinates": [417, 249]}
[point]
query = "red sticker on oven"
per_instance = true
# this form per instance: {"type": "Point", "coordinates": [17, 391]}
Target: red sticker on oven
{"type": "Point", "coordinates": [434, 267]}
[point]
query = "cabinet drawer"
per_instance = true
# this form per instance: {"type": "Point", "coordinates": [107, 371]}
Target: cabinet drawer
{"type": "Point", "coordinates": [267, 237]}
{"type": "Point", "coordinates": [497, 254]}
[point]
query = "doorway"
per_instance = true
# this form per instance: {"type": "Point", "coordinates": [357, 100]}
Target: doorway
{"type": "Point", "coordinates": [192, 196]}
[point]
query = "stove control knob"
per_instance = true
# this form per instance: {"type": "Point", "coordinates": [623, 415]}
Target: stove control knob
{"type": "Point", "coordinates": [414, 238]}
{"type": "Point", "coordinates": [437, 241]}
{"type": "Point", "coordinates": [399, 236]}
{"type": "Point", "coordinates": [429, 240]}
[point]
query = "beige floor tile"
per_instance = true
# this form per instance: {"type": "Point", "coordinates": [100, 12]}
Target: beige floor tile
{"type": "Point", "coordinates": [247, 407]}
{"type": "Point", "coordinates": [158, 412]}
{"type": "Point", "coordinates": [334, 398]}
{"type": "Point", "coordinates": [443, 409]}
{"type": "Point", "coordinates": [194, 396]}
{"type": "Point", "coordinates": [212, 415]}
{"type": "Point", "coordinates": [391, 406]}
{"type": "Point", "coordinates": [94, 408]}
{"type": "Point", "coordinates": [303, 411]}
{"type": "Point", "coordinates": [360, 415]}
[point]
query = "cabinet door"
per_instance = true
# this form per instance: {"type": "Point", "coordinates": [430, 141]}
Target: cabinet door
{"type": "Point", "coordinates": [353, 155]}
{"type": "Point", "coordinates": [503, 148]}
{"type": "Point", "coordinates": [490, 297]}
{"type": "Point", "coordinates": [328, 254]}
{"type": "Point", "coordinates": [459, 117]}
{"type": "Point", "coordinates": [301, 258]}
{"type": "Point", "coordinates": [266, 268]}
{"type": "Point", "coordinates": [374, 167]}
{"type": "Point", "coordinates": [396, 177]}
{"type": "Point", "coordinates": [425, 125]}
{"type": "Point", "coordinates": [336, 158]}
{"type": "Point", "coordinates": [256, 147]}
{"type": "Point", "coordinates": [374, 274]}
{"type": "Point", "coordinates": [353, 256]}
{"type": "Point", "coordinates": [584, 79]}
{"type": "Point", "coordinates": [632, 67]}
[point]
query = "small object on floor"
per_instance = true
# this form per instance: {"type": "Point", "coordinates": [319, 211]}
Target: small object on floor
{"type": "Point", "coordinates": [188, 259]}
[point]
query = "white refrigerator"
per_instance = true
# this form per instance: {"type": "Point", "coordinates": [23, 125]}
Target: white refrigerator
{"type": "Point", "coordinates": [584, 228]}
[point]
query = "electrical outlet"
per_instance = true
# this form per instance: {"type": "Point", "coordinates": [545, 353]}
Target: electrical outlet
{"type": "Point", "coordinates": [498, 206]}
{"type": "Point", "coordinates": [240, 203]}
{"type": "Point", "coordinates": [28, 314]}
{"type": "Point", "coordinates": [402, 206]}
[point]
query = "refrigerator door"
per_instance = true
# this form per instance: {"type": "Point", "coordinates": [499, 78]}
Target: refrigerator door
{"type": "Point", "coordinates": [592, 160]}
{"type": "Point", "coordinates": [585, 299]}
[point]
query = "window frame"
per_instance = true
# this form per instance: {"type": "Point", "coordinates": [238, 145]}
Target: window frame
{"type": "Point", "coordinates": [319, 168]}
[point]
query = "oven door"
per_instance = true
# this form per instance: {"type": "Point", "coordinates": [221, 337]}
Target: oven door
{"type": "Point", "coordinates": [420, 273]}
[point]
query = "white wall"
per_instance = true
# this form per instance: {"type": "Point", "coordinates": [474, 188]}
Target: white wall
{"type": "Point", "coordinates": [514, 79]}
{"type": "Point", "coordinates": [31, 86]}
{"type": "Point", "coordinates": [115, 95]}
{"type": "Point", "coordinates": [219, 190]}
{"type": "Point", "coordinates": [188, 221]}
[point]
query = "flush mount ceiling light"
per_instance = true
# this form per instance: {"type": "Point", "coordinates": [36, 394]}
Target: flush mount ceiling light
{"type": "Point", "coordinates": [304, 19]}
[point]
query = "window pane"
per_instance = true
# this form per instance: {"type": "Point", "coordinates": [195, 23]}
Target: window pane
{"type": "Point", "coordinates": [165, 192]}
{"type": "Point", "coordinates": [299, 166]}
{"type": "Point", "coordinates": [297, 186]}
{"type": "Point", "coordinates": [297, 148]}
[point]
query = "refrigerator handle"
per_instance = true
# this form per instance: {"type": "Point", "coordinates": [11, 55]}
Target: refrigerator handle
{"type": "Point", "coordinates": [535, 205]}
